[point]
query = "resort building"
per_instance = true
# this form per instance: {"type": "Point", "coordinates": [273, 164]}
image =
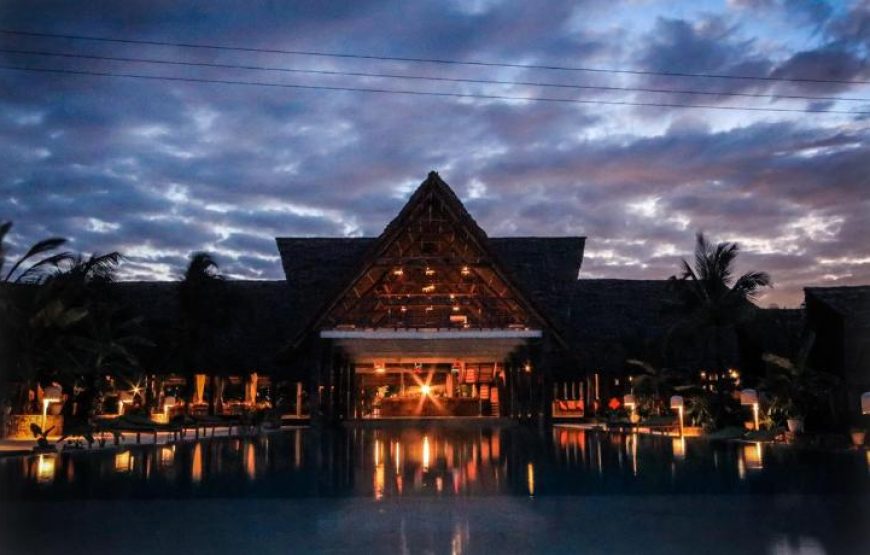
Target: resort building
{"type": "Point", "coordinates": [434, 319]}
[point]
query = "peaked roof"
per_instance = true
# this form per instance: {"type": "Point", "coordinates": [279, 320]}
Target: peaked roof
{"type": "Point", "coordinates": [317, 268]}
{"type": "Point", "coordinates": [327, 261]}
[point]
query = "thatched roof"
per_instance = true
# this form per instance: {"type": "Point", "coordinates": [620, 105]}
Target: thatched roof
{"type": "Point", "coordinates": [853, 302]}
{"type": "Point", "coordinates": [545, 268]}
{"type": "Point", "coordinates": [254, 321]}
{"type": "Point", "coordinates": [615, 319]}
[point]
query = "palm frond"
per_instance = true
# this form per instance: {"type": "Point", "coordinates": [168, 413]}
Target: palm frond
{"type": "Point", "coordinates": [749, 284]}
{"type": "Point", "coordinates": [37, 271]}
{"type": "Point", "coordinates": [41, 247]}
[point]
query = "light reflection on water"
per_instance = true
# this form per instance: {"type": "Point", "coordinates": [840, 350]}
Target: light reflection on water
{"type": "Point", "coordinates": [382, 463]}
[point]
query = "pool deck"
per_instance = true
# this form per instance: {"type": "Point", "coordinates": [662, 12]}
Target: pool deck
{"type": "Point", "coordinates": [15, 447]}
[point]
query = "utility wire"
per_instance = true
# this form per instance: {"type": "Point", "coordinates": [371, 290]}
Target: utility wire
{"type": "Point", "coordinates": [424, 93]}
{"type": "Point", "coordinates": [429, 60]}
{"type": "Point", "coordinates": [422, 77]}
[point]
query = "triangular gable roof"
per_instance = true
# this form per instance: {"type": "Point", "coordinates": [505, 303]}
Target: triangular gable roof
{"type": "Point", "coordinates": [432, 195]}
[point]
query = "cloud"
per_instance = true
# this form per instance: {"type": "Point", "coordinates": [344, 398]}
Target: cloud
{"type": "Point", "coordinates": [160, 169]}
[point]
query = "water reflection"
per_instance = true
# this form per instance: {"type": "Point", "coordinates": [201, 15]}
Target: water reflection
{"type": "Point", "coordinates": [123, 461]}
{"type": "Point", "coordinates": [196, 464]}
{"type": "Point", "coordinates": [438, 461]}
{"type": "Point", "coordinates": [45, 468]}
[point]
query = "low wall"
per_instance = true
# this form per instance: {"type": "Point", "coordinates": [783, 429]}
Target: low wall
{"type": "Point", "coordinates": [19, 425]}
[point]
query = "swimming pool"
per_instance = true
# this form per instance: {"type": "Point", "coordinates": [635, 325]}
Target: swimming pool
{"type": "Point", "coordinates": [440, 487]}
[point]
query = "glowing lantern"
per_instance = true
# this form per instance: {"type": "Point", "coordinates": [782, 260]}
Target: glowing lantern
{"type": "Point", "coordinates": [630, 404]}
{"type": "Point", "coordinates": [168, 404]}
{"type": "Point", "coordinates": [51, 394]}
{"type": "Point", "coordinates": [750, 397]}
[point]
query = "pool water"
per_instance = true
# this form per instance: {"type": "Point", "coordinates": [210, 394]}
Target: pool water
{"type": "Point", "coordinates": [441, 487]}
{"type": "Point", "coordinates": [438, 461]}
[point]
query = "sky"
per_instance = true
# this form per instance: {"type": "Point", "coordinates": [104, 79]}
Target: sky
{"type": "Point", "coordinates": [157, 169]}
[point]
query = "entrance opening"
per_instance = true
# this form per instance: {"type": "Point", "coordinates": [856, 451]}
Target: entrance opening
{"type": "Point", "coordinates": [439, 389]}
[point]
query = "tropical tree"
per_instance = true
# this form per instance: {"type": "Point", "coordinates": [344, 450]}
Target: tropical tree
{"type": "Point", "coordinates": [17, 336]}
{"type": "Point", "coordinates": [652, 386]}
{"type": "Point", "coordinates": [199, 290]}
{"type": "Point", "coordinates": [713, 304]}
{"type": "Point", "coordinates": [794, 387]}
{"type": "Point", "coordinates": [55, 319]}
{"type": "Point", "coordinates": [31, 265]}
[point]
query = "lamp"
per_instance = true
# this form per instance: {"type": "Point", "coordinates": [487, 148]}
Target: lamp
{"type": "Point", "coordinates": [750, 397]}
{"type": "Point", "coordinates": [168, 403]}
{"type": "Point", "coordinates": [51, 394]}
{"type": "Point", "coordinates": [630, 403]}
{"type": "Point", "coordinates": [677, 404]}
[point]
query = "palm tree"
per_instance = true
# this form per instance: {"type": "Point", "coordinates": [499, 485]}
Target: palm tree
{"type": "Point", "coordinates": [198, 290]}
{"type": "Point", "coordinates": [16, 304]}
{"type": "Point", "coordinates": [795, 388]}
{"type": "Point", "coordinates": [54, 318]}
{"type": "Point", "coordinates": [109, 343]}
{"type": "Point", "coordinates": [32, 272]}
{"type": "Point", "coordinates": [714, 304]}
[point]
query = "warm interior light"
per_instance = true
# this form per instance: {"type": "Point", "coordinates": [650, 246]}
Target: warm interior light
{"type": "Point", "coordinates": [430, 271]}
{"type": "Point", "coordinates": [456, 308]}
{"type": "Point", "coordinates": [425, 389]}
{"type": "Point", "coordinates": [398, 272]}
{"type": "Point", "coordinates": [428, 288]}
{"type": "Point", "coordinates": [465, 271]}
{"type": "Point", "coordinates": [45, 403]}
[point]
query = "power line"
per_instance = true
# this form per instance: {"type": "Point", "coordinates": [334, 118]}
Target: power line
{"type": "Point", "coordinates": [430, 60]}
{"type": "Point", "coordinates": [426, 93]}
{"type": "Point", "coordinates": [423, 77]}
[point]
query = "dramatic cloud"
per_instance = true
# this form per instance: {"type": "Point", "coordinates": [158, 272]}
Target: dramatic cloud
{"type": "Point", "coordinates": [158, 169]}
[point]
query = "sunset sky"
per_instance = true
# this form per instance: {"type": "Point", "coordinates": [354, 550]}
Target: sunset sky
{"type": "Point", "coordinates": [159, 168]}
